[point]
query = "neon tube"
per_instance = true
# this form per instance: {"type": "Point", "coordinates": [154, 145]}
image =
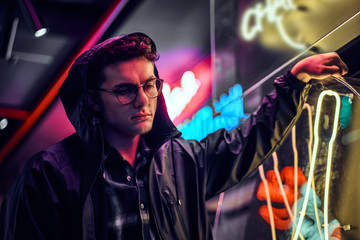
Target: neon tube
{"type": "Point", "coordinates": [253, 19]}
{"type": "Point", "coordinates": [308, 108]}
{"type": "Point", "coordinates": [268, 201]}
{"type": "Point", "coordinates": [278, 178]}
{"type": "Point", "coordinates": [314, 154]}
{"type": "Point", "coordinates": [328, 169]}
{"type": "Point", "coordinates": [296, 164]}
{"type": "Point", "coordinates": [306, 51]}
{"type": "Point", "coordinates": [343, 82]}
{"type": "Point", "coordinates": [311, 136]}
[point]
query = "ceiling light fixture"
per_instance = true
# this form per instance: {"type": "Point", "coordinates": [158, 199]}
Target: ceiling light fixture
{"type": "Point", "coordinates": [32, 18]}
{"type": "Point", "coordinates": [3, 122]}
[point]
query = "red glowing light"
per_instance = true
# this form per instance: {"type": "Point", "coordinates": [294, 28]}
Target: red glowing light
{"type": "Point", "coordinates": [281, 217]}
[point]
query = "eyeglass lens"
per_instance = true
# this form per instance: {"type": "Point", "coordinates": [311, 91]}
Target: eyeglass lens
{"type": "Point", "coordinates": [128, 93]}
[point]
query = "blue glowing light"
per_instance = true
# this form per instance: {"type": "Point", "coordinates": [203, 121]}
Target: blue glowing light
{"type": "Point", "coordinates": [345, 112]}
{"type": "Point", "coordinates": [229, 113]}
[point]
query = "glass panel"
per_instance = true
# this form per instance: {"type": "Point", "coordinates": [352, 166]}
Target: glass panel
{"type": "Point", "coordinates": [254, 41]}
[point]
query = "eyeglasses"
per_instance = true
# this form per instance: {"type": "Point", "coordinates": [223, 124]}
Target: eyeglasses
{"type": "Point", "coordinates": [127, 93]}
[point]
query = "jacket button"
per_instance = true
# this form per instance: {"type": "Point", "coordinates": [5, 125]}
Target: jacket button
{"type": "Point", "coordinates": [142, 206]}
{"type": "Point", "coordinates": [128, 178]}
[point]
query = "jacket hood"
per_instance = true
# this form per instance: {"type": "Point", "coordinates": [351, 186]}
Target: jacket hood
{"type": "Point", "coordinates": [74, 94]}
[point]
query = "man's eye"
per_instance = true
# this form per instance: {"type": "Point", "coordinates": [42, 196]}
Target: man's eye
{"type": "Point", "coordinates": [149, 86]}
{"type": "Point", "coordinates": [123, 90]}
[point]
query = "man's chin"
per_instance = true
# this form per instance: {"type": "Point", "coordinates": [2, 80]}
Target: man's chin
{"type": "Point", "coordinates": [143, 129]}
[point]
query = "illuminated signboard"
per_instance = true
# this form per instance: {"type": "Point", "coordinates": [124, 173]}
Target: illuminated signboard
{"type": "Point", "coordinates": [307, 191]}
{"type": "Point", "coordinates": [253, 18]}
{"type": "Point", "coordinates": [229, 112]}
{"type": "Point", "coordinates": [185, 97]}
{"type": "Point", "coordinates": [177, 98]}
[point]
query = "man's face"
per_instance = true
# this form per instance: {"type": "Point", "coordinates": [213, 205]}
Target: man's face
{"type": "Point", "coordinates": [135, 118]}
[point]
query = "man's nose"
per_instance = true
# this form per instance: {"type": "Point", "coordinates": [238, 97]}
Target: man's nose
{"type": "Point", "coordinates": [141, 98]}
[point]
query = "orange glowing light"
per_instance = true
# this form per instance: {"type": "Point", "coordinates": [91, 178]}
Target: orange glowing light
{"type": "Point", "coordinates": [282, 219]}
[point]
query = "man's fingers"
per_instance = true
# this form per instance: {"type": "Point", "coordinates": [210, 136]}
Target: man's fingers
{"type": "Point", "coordinates": [337, 61]}
{"type": "Point", "coordinates": [326, 71]}
{"type": "Point", "coordinates": [333, 70]}
{"type": "Point", "coordinates": [319, 66]}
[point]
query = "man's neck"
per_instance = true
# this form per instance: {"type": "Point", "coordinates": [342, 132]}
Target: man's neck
{"type": "Point", "coordinates": [125, 145]}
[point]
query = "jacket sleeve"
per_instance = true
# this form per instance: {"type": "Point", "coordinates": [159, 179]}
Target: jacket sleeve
{"type": "Point", "coordinates": [227, 157]}
{"type": "Point", "coordinates": [32, 208]}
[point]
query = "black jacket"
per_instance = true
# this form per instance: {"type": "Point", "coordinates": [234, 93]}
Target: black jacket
{"type": "Point", "coordinates": [60, 192]}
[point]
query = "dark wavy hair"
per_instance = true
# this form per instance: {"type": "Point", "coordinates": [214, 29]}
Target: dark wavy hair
{"type": "Point", "coordinates": [124, 48]}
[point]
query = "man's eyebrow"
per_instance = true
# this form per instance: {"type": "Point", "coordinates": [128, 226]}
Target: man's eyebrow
{"type": "Point", "coordinates": [123, 84]}
{"type": "Point", "coordinates": [150, 78]}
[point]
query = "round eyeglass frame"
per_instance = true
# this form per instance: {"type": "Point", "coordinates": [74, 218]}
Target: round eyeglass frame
{"type": "Point", "coordinates": [115, 92]}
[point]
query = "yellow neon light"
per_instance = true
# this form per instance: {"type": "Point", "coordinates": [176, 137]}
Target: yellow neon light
{"type": "Point", "coordinates": [295, 151]}
{"type": "Point", "coordinates": [312, 165]}
{"type": "Point", "coordinates": [308, 108]}
{"type": "Point", "coordinates": [277, 174]}
{"type": "Point", "coordinates": [268, 201]}
{"type": "Point", "coordinates": [296, 164]}
{"type": "Point", "coordinates": [278, 178]}
{"type": "Point", "coordinates": [269, 11]}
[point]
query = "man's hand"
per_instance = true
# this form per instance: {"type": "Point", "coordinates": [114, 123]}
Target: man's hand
{"type": "Point", "coordinates": [319, 67]}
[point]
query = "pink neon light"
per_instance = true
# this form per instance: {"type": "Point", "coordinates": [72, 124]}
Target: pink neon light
{"type": "Point", "coordinates": [177, 98]}
{"type": "Point", "coordinates": [202, 72]}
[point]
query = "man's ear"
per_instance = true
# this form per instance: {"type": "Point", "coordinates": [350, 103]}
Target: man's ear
{"type": "Point", "coordinates": [93, 100]}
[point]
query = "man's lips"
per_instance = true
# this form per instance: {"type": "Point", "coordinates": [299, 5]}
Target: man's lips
{"type": "Point", "coordinates": [141, 116]}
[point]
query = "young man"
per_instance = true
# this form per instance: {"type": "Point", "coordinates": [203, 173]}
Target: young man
{"type": "Point", "coordinates": [127, 173]}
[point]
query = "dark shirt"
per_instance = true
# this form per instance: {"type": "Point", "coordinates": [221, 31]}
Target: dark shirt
{"type": "Point", "coordinates": [127, 190]}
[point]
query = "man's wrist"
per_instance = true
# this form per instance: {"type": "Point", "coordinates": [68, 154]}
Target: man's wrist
{"type": "Point", "coordinates": [302, 76]}
{"type": "Point", "coordinates": [294, 82]}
